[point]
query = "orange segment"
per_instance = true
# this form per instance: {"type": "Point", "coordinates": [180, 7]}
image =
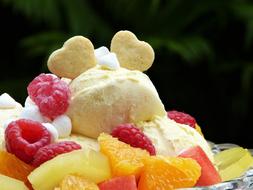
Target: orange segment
{"type": "Point", "coordinates": [166, 173]}
{"type": "Point", "coordinates": [74, 182]}
{"type": "Point", "coordinates": [11, 166]}
{"type": "Point", "coordinates": [124, 159]}
{"type": "Point", "coordinates": [190, 167]}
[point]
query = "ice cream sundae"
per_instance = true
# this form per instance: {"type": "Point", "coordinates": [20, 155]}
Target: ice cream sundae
{"type": "Point", "coordinates": [97, 122]}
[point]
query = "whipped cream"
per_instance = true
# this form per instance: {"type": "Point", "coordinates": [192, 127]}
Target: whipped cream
{"type": "Point", "coordinates": [52, 130]}
{"type": "Point", "coordinates": [63, 125]}
{"type": "Point", "coordinates": [7, 102]}
{"type": "Point", "coordinates": [107, 59]}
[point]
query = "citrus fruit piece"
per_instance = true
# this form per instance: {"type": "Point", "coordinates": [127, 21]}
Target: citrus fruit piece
{"type": "Point", "coordinates": [75, 182]}
{"type": "Point", "coordinates": [166, 173]}
{"type": "Point", "coordinates": [122, 183]}
{"type": "Point", "coordinates": [232, 163]}
{"type": "Point", "coordinates": [124, 159]}
{"type": "Point", "coordinates": [13, 167]}
{"type": "Point", "coordinates": [209, 174]}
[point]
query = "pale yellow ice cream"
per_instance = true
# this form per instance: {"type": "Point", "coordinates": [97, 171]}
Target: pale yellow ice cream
{"type": "Point", "coordinates": [9, 110]}
{"type": "Point", "coordinates": [102, 99]}
{"type": "Point", "coordinates": [85, 142]}
{"type": "Point", "coordinates": [9, 114]}
{"type": "Point", "coordinates": [170, 138]}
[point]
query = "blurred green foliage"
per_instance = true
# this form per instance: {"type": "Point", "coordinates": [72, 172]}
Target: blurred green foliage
{"type": "Point", "coordinates": [211, 35]}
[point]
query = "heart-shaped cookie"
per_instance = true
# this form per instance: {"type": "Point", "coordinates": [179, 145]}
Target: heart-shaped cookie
{"type": "Point", "coordinates": [75, 57]}
{"type": "Point", "coordinates": [132, 53]}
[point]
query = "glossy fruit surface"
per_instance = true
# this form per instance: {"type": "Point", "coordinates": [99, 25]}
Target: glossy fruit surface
{"type": "Point", "coordinates": [75, 182]}
{"type": "Point", "coordinates": [209, 174]}
{"type": "Point", "coordinates": [87, 163]}
{"type": "Point", "coordinates": [122, 183]}
{"type": "Point", "coordinates": [124, 159]}
{"type": "Point", "coordinates": [232, 163]}
{"type": "Point", "coordinates": [24, 137]}
{"type": "Point", "coordinates": [13, 167]}
{"type": "Point", "coordinates": [166, 173]}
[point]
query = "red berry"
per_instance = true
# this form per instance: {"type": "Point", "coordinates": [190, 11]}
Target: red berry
{"type": "Point", "coordinates": [52, 150]}
{"type": "Point", "coordinates": [130, 134]}
{"type": "Point", "coordinates": [50, 94]}
{"type": "Point", "coordinates": [183, 118]}
{"type": "Point", "coordinates": [24, 137]}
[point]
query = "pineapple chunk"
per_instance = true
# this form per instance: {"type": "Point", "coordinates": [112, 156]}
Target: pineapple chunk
{"type": "Point", "coordinates": [232, 163]}
{"type": "Point", "coordinates": [86, 162]}
{"type": "Point", "coordinates": [8, 183]}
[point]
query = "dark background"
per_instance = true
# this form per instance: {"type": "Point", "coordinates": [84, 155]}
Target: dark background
{"type": "Point", "coordinates": [204, 60]}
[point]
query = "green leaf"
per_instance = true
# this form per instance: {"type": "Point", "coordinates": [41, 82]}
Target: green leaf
{"type": "Point", "coordinates": [244, 11]}
{"type": "Point", "coordinates": [39, 11]}
{"type": "Point", "coordinates": [191, 49]}
{"type": "Point", "coordinates": [43, 43]}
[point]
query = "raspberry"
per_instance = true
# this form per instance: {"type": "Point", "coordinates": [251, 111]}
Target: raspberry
{"type": "Point", "coordinates": [24, 137]}
{"type": "Point", "coordinates": [50, 94]}
{"type": "Point", "coordinates": [52, 150]}
{"type": "Point", "coordinates": [130, 134]}
{"type": "Point", "coordinates": [183, 118]}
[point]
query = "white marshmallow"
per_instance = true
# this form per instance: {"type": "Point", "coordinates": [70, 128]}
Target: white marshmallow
{"type": "Point", "coordinates": [109, 61]}
{"type": "Point", "coordinates": [29, 102]}
{"type": "Point", "coordinates": [63, 125]}
{"type": "Point", "coordinates": [6, 101]}
{"type": "Point", "coordinates": [33, 113]}
{"type": "Point", "coordinates": [99, 52]}
{"type": "Point", "coordinates": [52, 130]}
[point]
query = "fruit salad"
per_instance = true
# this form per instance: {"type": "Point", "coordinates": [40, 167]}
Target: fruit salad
{"type": "Point", "coordinates": [96, 122]}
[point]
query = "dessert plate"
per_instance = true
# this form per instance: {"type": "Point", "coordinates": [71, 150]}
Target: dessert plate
{"type": "Point", "coordinates": [245, 182]}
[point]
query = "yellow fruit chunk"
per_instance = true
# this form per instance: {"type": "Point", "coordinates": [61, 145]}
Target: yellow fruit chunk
{"type": "Point", "coordinates": [87, 163]}
{"type": "Point", "coordinates": [165, 173]}
{"type": "Point", "coordinates": [74, 182]}
{"type": "Point", "coordinates": [124, 159]}
{"type": "Point", "coordinates": [232, 163]}
{"type": "Point", "coordinates": [8, 183]}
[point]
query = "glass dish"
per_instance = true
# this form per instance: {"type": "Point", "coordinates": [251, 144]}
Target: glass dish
{"type": "Point", "coordinates": [245, 182]}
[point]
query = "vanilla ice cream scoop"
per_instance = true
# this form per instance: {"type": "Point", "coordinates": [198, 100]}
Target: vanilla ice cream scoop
{"type": "Point", "coordinates": [9, 110]}
{"type": "Point", "coordinates": [171, 138]}
{"type": "Point", "coordinates": [102, 98]}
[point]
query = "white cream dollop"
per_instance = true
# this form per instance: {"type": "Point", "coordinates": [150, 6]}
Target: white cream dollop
{"type": "Point", "coordinates": [33, 113]}
{"type": "Point", "coordinates": [52, 130]}
{"type": "Point", "coordinates": [29, 102]}
{"type": "Point", "coordinates": [99, 52]}
{"type": "Point", "coordinates": [63, 125]}
{"type": "Point", "coordinates": [106, 59]}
